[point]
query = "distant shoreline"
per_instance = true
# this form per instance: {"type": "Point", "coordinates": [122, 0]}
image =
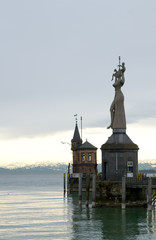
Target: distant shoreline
{"type": "Point", "coordinates": [62, 168]}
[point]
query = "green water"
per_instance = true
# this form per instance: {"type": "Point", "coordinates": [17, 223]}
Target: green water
{"type": "Point", "coordinates": [112, 223]}
{"type": "Point", "coordinates": [33, 207]}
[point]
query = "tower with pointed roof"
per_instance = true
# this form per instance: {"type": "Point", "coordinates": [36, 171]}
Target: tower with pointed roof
{"type": "Point", "coordinates": [84, 154]}
{"type": "Point", "coordinates": [76, 141]}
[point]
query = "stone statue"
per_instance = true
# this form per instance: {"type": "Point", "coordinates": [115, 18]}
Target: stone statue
{"type": "Point", "coordinates": [117, 111]}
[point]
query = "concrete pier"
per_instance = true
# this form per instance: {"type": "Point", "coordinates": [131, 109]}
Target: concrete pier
{"type": "Point", "coordinates": [130, 192]}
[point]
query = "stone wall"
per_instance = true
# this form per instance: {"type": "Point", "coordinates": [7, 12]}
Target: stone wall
{"type": "Point", "coordinates": [109, 193]}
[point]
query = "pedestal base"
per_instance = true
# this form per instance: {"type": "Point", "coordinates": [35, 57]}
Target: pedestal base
{"type": "Point", "coordinates": [119, 156]}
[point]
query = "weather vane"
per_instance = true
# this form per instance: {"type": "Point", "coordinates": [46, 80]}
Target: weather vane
{"type": "Point", "coordinates": [75, 118]}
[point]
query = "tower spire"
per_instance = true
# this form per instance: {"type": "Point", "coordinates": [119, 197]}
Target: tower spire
{"type": "Point", "coordinates": [76, 141]}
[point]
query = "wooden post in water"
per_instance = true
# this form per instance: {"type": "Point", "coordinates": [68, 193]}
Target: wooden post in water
{"type": "Point", "coordinates": [80, 188]}
{"type": "Point", "coordinates": [87, 189]}
{"type": "Point", "coordinates": [64, 183]}
{"type": "Point", "coordinates": [149, 194]}
{"type": "Point", "coordinates": [123, 205]}
{"type": "Point", "coordinates": [68, 187]}
{"type": "Point", "coordinates": [94, 190]}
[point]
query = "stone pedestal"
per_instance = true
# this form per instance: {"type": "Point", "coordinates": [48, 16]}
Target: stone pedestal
{"type": "Point", "coordinates": [119, 157]}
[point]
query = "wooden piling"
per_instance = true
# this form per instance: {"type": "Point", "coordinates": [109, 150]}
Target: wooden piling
{"type": "Point", "coordinates": [149, 194]}
{"type": "Point", "coordinates": [64, 183]}
{"type": "Point", "coordinates": [68, 189]}
{"type": "Point", "coordinates": [123, 205]}
{"type": "Point", "coordinates": [94, 190]}
{"type": "Point", "coordinates": [87, 189]}
{"type": "Point", "coordinates": [80, 188]}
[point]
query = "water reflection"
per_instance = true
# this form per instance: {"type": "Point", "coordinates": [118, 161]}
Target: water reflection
{"type": "Point", "coordinates": [151, 222]}
{"type": "Point", "coordinates": [111, 223]}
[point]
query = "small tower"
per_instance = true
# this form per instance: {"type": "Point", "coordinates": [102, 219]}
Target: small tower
{"type": "Point", "coordinates": [84, 155]}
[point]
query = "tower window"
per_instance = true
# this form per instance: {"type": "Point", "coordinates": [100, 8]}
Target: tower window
{"type": "Point", "coordinates": [82, 157]}
{"type": "Point", "coordinates": [89, 157]}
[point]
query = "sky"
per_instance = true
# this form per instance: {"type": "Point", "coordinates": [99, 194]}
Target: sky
{"type": "Point", "coordinates": [56, 60]}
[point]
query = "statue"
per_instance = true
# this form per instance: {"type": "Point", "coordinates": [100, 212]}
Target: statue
{"type": "Point", "coordinates": [117, 111]}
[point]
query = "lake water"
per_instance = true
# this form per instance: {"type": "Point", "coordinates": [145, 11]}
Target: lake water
{"type": "Point", "coordinates": [33, 207]}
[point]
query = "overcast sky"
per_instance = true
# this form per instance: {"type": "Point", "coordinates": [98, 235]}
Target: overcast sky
{"type": "Point", "coordinates": [57, 58]}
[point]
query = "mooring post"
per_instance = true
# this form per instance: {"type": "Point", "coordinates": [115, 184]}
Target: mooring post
{"type": "Point", "coordinates": [123, 192]}
{"type": "Point", "coordinates": [80, 188]}
{"type": "Point", "coordinates": [153, 198]}
{"type": "Point", "coordinates": [94, 190]}
{"type": "Point", "coordinates": [64, 181]}
{"type": "Point", "coordinates": [87, 189]}
{"type": "Point", "coordinates": [68, 187]}
{"type": "Point", "coordinates": [149, 194]}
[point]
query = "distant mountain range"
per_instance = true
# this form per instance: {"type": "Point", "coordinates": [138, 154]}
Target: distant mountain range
{"type": "Point", "coordinates": [42, 168]}
{"type": "Point", "coordinates": [61, 168]}
{"type": "Point", "coordinates": [147, 167]}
